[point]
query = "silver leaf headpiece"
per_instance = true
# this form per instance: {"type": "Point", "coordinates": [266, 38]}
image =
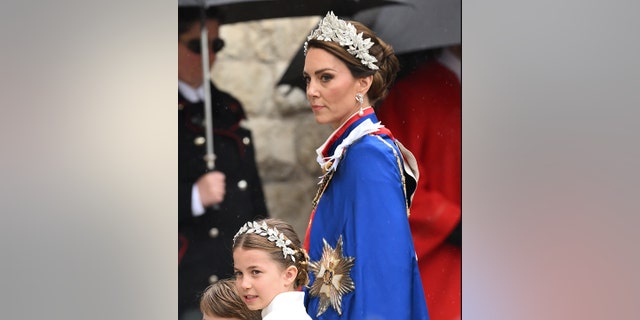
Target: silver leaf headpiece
{"type": "Point", "coordinates": [331, 28]}
{"type": "Point", "coordinates": [272, 234]}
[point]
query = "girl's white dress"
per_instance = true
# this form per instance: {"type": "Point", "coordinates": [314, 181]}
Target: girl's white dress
{"type": "Point", "coordinates": [286, 306]}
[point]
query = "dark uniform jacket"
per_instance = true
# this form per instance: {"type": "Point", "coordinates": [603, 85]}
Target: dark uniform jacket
{"type": "Point", "coordinates": [205, 241]}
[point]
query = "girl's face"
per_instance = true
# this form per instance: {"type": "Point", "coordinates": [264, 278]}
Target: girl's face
{"type": "Point", "coordinates": [331, 89]}
{"type": "Point", "coordinates": [259, 278]}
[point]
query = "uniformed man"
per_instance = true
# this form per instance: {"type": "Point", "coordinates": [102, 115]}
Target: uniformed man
{"type": "Point", "coordinates": [212, 205]}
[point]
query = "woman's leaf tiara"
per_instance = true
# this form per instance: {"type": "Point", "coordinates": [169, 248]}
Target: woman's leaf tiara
{"type": "Point", "coordinates": [331, 28]}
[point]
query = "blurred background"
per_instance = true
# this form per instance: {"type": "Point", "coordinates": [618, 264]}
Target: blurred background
{"type": "Point", "coordinates": [256, 55]}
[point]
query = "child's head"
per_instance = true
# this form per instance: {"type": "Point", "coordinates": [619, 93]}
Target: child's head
{"type": "Point", "coordinates": [221, 301]}
{"type": "Point", "coordinates": [268, 259]}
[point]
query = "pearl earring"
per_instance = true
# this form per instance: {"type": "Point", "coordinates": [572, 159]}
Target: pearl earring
{"type": "Point", "coordinates": [360, 99]}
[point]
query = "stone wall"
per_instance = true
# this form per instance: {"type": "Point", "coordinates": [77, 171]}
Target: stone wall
{"type": "Point", "coordinates": [284, 129]}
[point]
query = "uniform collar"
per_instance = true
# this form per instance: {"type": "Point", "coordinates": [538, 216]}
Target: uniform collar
{"type": "Point", "coordinates": [190, 93]}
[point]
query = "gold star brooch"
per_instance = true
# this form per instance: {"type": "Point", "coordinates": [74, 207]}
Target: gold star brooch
{"type": "Point", "coordinates": [332, 277]}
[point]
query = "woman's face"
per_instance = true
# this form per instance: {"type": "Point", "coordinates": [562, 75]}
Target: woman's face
{"type": "Point", "coordinates": [259, 278]}
{"type": "Point", "coordinates": [331, 89]}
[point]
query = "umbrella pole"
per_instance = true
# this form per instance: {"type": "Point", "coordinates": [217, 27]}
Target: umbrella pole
{"type": "Point", "coordinates": [210, 157]}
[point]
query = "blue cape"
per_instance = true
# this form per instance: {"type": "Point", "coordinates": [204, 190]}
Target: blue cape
{"type": "Point", "coordinates": [365, 205]}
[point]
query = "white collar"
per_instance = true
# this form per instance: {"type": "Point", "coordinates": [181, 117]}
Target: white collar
{"type": "Point", "coordinates": [288, 302]}
{"type": "Point", "coordinates": [331, 163]}
{"type": "Point", "coordinates": [190, 93]}
{"type": "Point", "coordinates": [449, 60]}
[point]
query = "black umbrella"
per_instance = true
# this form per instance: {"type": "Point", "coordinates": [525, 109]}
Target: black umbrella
{"type": "Point", "coordinates": [426, 24]}
{"type": "Point", "coordinates": [417, 26]}
{"type": "Point", "coordinates": [246, 10]}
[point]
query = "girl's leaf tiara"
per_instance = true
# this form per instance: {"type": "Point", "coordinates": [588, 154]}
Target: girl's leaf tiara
{"type": "Point", "coordinates": [272, 234]}
{"type": "Point", "coordinates": [331, 28]}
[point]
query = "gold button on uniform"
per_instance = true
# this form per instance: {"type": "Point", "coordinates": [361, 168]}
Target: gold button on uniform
{"type": "Point", "coordinates": [213, 278]}
{"type": "Point", "coordinates": [242, 185]}
{"type": "Point", "coordinates": [199, 141]}
{"type": "Point", "coordinates": [214, 232]}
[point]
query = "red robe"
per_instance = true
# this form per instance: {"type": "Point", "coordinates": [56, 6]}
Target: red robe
{"type": "Point", "coordinates": [423, 110]}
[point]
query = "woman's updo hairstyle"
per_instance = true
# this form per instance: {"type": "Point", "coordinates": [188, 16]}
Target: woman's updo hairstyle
{"type": "Point", "coordinates": [388, 64]}
{"type": "Point", "coordinates": [253, 240]}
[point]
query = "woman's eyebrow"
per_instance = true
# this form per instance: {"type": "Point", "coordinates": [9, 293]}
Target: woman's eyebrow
{"type": "Point", "coordinates": [323, 70]}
